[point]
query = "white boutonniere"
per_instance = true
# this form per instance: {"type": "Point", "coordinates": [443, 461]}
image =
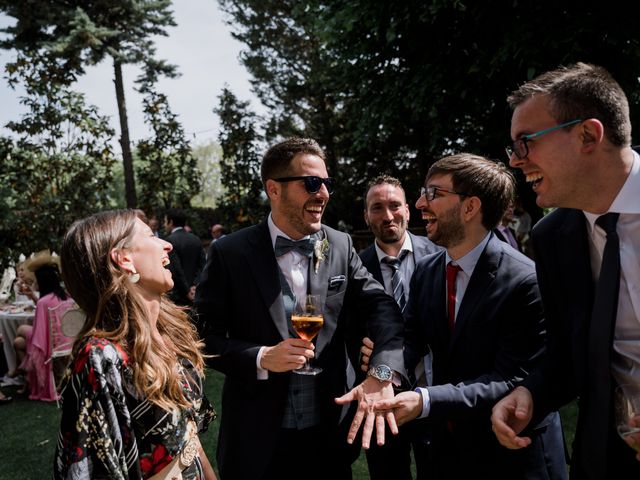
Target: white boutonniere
{"type": "Point", "coordinates": [320, 250]}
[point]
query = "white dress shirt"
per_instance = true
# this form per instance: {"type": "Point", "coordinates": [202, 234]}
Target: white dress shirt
{"type": "Point", "coordinates": [407, 267]}
{"type": "Point", "coordinates": [295, 269]}
{"type": "Point", "coordinates": [626, 342]}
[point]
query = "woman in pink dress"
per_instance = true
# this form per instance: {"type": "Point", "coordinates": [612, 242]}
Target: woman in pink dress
{"type": "Point", "coordinates": [35, 340]}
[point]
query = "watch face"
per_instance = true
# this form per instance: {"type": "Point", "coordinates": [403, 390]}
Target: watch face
{"type": "Point", "coordinates": [383, 373]}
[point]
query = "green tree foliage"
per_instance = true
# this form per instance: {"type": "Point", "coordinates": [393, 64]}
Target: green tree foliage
{"type": "Point", "coordinates": [243, 202]}
{"type": "Point", "coordinates": [209, 157]}
{"type": "Point", "coordinates": [167, 171]}
{"type": "Point", "coordinates": [392, 86]}
{"type": "Point", "coordinates": [59, 166]}
{"type": "Point", "coordinates": [294, 78]}
{"type": "Point", "coordinates": [84, 33]}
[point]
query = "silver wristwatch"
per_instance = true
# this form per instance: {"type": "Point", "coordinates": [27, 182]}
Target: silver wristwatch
{"type": "Point", "coordinates": [382, 372]}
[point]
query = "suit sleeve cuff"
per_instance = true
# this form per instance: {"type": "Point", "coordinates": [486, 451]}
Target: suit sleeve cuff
{"type": "Point", "coordinates": [426, 402]}
{"type": "Point", "coordinates": [261, 373]}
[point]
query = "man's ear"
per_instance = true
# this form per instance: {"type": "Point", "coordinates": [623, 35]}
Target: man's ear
{"type": "Point", "coordinates": [366, 217]}
{"type": "Point", "coordinates": [272, 188]}
{"type": "Point", "coordinates": [122, 259]}
{"type": "Point", "coordinates": [472, 207]}
{"type": "Point", "coordinates": [592, 134]}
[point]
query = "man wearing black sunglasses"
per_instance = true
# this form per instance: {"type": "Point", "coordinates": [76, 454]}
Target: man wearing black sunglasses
{"type": "Point", "coordinates": [273, 419]}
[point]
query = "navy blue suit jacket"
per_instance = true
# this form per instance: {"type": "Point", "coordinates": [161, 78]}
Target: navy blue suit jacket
{"type": "Point", "coordinates": [498, 338]}
{"type": "Point", "coordinates": [561, 247]}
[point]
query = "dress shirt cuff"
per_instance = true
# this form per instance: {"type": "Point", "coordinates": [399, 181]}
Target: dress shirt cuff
{"type": "Point", "coordinates": [262, 373]}
{"type": "Point", "coordinates": [396, 379]}
{"type": "Point", "coordinates": [426, 402]}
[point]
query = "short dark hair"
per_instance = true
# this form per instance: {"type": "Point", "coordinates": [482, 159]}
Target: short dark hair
{"type": "Point", "coordinates": [477, 176]}
{"type": "Point", "coordinates": [277, 160]}
{"type": "Point", "coordinates": [582, 91]}
{"type": "Point", "coordinates": [177, 217]}
{"type": "Point", "coordinates": [48, 278]}
{"type": "Point", "coordinates": [383, 179]}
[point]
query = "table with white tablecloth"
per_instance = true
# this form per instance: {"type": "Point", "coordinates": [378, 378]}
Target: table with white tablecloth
{"type": "Point", "coordinates": [9, 323]}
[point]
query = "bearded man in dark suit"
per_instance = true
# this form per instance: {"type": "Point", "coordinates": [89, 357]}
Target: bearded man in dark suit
{"type": "Point", "coordinates": [276, 424]}
{"type": "Point", "coordinates": [475, 322]}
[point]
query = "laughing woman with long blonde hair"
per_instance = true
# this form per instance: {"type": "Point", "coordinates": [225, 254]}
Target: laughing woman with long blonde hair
{"type": "Point", "coordinates": [133, 402]}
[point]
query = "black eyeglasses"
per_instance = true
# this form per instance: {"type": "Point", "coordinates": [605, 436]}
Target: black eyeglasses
{"type": "Point", "coordinates": [520, 147]}
{"type": "Point", "coordinates": [312, 184]}
{"type": "Point", "coordinates": [430, 192]}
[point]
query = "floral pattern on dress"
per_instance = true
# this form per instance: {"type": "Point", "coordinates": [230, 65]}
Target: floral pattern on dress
{"type": "Point", "coordinates": [108, 431]}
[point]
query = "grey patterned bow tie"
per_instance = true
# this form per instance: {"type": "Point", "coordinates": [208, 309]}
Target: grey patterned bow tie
{"type": "Point", "coordinates": [303, 247]}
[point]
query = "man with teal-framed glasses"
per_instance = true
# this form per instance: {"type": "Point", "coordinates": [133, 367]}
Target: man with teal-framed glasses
{"type": "Point", "coordinates": [587, 255]}
{"type": "Point", "coordinates": [520, 146]}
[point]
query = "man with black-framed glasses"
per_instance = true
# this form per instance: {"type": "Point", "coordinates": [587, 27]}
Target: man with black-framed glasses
{"type": "Point", "coordinates": [274, 419]}
{"type": "Point", "coordinates": [475, 323]}
{"type": "Point", "coordinates": [587, 259]}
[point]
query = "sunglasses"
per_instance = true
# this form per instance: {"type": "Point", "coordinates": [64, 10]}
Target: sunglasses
{"type": "Point", "coordinates": [312, 184]}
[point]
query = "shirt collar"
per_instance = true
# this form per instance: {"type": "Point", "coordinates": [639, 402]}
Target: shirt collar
{"type": "Point", "coordinates": [275, 232]}
{"type": "Point", "coordinates": [628, 198]}
{"type": "Point", "coordinates": [468, 262]}
{"type": "Point", "coordinates": [176, 229]}
{"type": "Point", "coordinates": [407, 245]}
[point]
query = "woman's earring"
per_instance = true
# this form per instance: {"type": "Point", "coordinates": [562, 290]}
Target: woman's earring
{"type": "Point", "coordinates": [134, 277]}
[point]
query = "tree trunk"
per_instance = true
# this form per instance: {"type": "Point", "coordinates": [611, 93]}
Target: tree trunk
{"type": "Point", "coordinates": [127, 158]}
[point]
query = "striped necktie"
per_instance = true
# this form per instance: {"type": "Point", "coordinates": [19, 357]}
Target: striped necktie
{"type": "Point", "coordinates": [397, 282]}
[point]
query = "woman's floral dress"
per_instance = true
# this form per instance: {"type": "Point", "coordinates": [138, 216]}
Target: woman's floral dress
{"type": "Point", "coordinates": [108, 432]}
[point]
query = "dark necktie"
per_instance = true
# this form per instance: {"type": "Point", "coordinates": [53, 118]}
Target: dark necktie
{"type": "Point", "coordinates": [603, 320]}
{"type": "Point", "coordinates": [304, 247]}
{"type": "Point", "coordinates": [397, 282]}
{"type": "Point", "coordinates": [452, 273]}
{"type": "Point", "coordinates": [511, 240]}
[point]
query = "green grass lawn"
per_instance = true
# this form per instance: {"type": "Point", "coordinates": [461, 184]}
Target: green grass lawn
{"type": "Point", "coordinates": [28, 431]}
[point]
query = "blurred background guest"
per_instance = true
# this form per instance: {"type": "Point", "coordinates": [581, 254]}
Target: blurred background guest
{"type": "Point", "coordinates": [218, 231]}
{"type": "Point", "coordinates": [25, 287]}
{"type": "Point", "coordinates": [188, 248]}
{"type": "Point", "coordinates": [32, 342]}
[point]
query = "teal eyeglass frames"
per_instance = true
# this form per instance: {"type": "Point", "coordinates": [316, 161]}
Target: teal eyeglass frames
{"type": "Point", "coordinates": [520, 147]}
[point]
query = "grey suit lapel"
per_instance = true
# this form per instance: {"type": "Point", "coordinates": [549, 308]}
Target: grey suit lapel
{"type": "Point", "coordinates": [319, 284]}
{"type": "Point", "coordinates": [265, 271]}
{"type": "Point", "coordinates": [419, 248]}
{"type": "Point", "coordinates": [371, 263]}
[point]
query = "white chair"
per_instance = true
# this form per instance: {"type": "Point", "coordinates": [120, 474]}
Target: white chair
{"type": "Point", "coordinates": [8, 276]}
{"type": "Point", "coordinates": [72, 322]}
{"type": "Point", "coordinates": [60, 343]}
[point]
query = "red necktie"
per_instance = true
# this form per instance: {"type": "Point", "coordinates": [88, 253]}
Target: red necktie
{"type": "Point", "coordinates": [452, 272]}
